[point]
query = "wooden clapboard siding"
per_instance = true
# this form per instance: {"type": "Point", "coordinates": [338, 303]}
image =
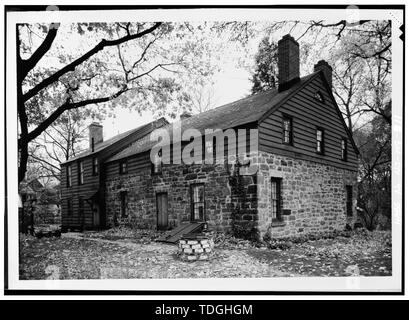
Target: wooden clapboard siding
{"type": "Point", "coordinates": [141, 161]}
{"type": "Point", "coordinates": [136, 163]}
{"type": "Point", "coordinates": [93, 184]}
{"type": "Point", "coordinates": [85, 190]}
{"type": "Point", "coordinates": [308, 113]}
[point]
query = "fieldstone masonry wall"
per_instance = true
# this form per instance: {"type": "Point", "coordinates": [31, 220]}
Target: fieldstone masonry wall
{"type": "Point", "coordinates": [313, 194]}
{"type": "Point", "coordinates": [176, 180]}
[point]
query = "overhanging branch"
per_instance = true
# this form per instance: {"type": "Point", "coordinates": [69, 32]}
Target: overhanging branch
{"type": "Point", "coordinates": [71, 67]}
{"type": "Point", "coordinates": [69, 106]}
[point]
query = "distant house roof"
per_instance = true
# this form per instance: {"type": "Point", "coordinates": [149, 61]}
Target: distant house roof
{"type": "Point", "coordinates": [107, 143]}
{"type": "Point", "coordinates": [30, 187]}
{"type": "Point", "coordinates": [240, 112]}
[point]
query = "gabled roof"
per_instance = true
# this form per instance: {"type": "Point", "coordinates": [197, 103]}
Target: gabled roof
{"type": "Point", "coordinates": [240, 112]}
{"type": "Point", "coordinates": [31, 186]}
{"type": "Point", "coordinates": [107, 143]}
{"type": "Point", "coordinates": [254, 108]}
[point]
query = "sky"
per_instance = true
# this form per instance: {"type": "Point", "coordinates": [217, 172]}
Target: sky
{"type": "Point", "coordinates": [231, 84]}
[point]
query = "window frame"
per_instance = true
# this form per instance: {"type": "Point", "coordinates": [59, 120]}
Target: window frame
{"type": "Point", "coordinates": [69, 176]}
{"type": "Point", "coordinates": [344, 155]}
{"type": "Point", "coordinates": [322, 144]}
{"type": "Point", "coordinates": [121, 163]}
{"type": "Point", "coordinates": [81, 209]}
{"type": "Point", "coordinates": [95, 166]}
{"type": "Point", "coordinates": [349, 200]}
{"type": "Point", "coordinates": [70, 207]}
{"type": "Point", "coordinates": [153, 166]}
{"type": "Point", "coordinates": [278, 210]}
{"type": "Point", "coordinates": [123, 195]}
{"type": "Point", "coordinates": [81, 172]}
{"type": "Point", "coordinates": [319, 96]}
{"type": "Point", "coordinates": [193, 203]}
{"type": "Point", "coordinates": [291, 131]}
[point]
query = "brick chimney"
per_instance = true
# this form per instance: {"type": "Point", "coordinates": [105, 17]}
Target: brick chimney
{"type": "Point", "coordinates": [95, 135]}
{"type": "Point", "coordinates": [326, 68]}
{"type": "Point", "coordinates": [288, 62]}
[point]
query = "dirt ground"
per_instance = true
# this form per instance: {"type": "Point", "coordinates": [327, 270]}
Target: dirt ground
{"type": "Point", "coordinates": [126, 254]}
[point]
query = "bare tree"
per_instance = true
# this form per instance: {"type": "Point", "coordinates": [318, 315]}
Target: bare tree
{"type": "Point", "coordinates": [26, 70]}
{"type": "Point", "coordinates": [63, 139]}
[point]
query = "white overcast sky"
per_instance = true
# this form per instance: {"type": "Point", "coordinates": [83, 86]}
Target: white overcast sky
{"type": "Point", "coordinates": [231, 84]}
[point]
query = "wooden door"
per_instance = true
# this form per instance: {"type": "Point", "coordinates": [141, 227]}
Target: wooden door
{"type": "Point", "coordinates": [95, 215]}
{"type": "Point", "coordinates": [162, 210]}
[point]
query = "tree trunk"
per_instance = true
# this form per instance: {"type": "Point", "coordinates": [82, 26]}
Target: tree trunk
{"type": "Point", "coordinates": [22, 116]}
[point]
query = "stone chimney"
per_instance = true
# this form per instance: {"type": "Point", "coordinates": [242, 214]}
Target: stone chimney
{"type": "Point", "coordinates": [185, 115]}
{"type": "Point", "coordinates": [95, 135]}
{"type": "Point", "coordinates": [326, 68]}
{"type": "Point", "coordinates": [288, 62]}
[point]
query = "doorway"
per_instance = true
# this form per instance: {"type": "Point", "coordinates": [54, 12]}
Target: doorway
{"type": "Point", "coordinates": [95, 215]}
{"type": "Point", "coordinates": [162, 210]}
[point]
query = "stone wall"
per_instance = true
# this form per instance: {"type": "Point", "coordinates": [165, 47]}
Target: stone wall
{"type": "Point", "coordinates": [175, 180]}
{"type": "Point", "coordinates": [314, 193]}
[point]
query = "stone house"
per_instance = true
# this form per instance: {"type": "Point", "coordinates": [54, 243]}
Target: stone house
{"type": "Point", "coordinates": [282, 163]}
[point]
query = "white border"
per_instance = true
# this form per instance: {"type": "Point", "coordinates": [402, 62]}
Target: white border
{"type": "Point", "coordinates": [341, 284]}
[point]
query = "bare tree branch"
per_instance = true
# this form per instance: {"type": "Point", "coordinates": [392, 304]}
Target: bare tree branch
{"type": "Point", "coordinates": [71, 67]}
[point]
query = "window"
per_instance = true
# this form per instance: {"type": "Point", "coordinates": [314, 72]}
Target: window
{"type": "Point", "coordinates": [124, 199]}
{"type": "Point", "coordinates": [81, 172]}
{"type": "Point", "coordinates": [69, 207]}
{"type": "Point", "coordinates": [69, 176]}
{"type": "Point", "coordinates": [198, 204]}
{"type": "Point", "coordinates": [349, 200]}
{"type": "Point", "coordinates": [123, 166]}
{"type": "Point", "coordinates": [287, 130]}
{"type": "Point", "coordinates": [157, 163]}
{"type": "Point", "coordinates": [320, 141]}
{"type": "Point", "coordinates": [95, 166]}
{"type": "Point", "coordinates": [318, 95]}
{"type": "Point", "coordinates": [276, 198]}
{"type": "Point", "coordinates": [92, 144]}
{"type": "Point", "coordinates": [211, 149]}
{"type": "Point", "coordinates": [344, 149]}
{"type": "Point", "coordinates": [81, 209]}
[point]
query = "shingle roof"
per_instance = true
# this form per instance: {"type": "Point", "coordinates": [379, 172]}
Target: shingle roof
{"type": "Point", "coordinates": [102, 145]}
{"type": "Point", "coordinates": [231, 115]}
{"type": "Point", "coordinates": [107, 143]}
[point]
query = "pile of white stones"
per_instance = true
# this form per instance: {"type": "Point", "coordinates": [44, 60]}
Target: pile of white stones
{"type": "Point", "coordinates": [195, 247]}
